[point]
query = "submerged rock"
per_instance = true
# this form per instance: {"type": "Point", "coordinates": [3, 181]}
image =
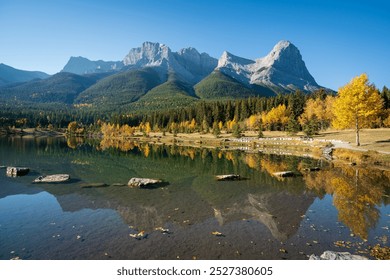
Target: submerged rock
{"type": "Point", "coordinates": [56, 178]}
{"type": "Point", "coordinates": [17, 171]}
{"type": "Point", "coordinates": [228, 177]}
{"type": "Point", "coordinates": [93, 185]}
{"type": "Point", "coordinates": [142, 182]}
{"type": "Point", "coordinates": [331, 255]}
{"type": "Point", "coordinates": [118, 185]}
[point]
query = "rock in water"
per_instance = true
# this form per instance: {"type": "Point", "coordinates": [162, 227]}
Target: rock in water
{"type": "Point", "coordinates": [228, 177]}
{"type": "Point", "coordinates": [142, 182]}
{"type": "Point", "coordinates": [17, 171]}
{"type": "Point", "coordinates": [331, 255]}
{"type": "Point", "coordinates": [327, 153]}
{"type": "Point", "coordinates": [56, 178]}
{"type": "Point", "coordinates": [284, 174]}
{"type": "Point", "coordinates": [93, 185]}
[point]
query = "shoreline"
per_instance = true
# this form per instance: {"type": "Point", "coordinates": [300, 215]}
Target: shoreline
{"type": "Point", "coordinates": [289, 145]}
{"type": "Point", "coordinates": [273, 142]}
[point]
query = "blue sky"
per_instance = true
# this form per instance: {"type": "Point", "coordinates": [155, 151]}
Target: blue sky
{"type": "Point", "coordinates": [337, 39]}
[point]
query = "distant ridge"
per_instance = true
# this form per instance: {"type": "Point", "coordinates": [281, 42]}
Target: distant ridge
{"type": "Point", "coordinates": [10, 75]}
{"type": "Point", "coordinates": [81, 65]}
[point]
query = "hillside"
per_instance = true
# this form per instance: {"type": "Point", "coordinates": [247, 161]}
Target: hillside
{"type": "Point", "coordinates": [120, 89]}
{"type": "Point", "coordinates": [61, 87]}
{"type": "Point", "coordinates": [218, 85]}
{"type": "Point", "coordinates": [171, 94]}
{"type": "Point", "coordinates": [10, 75]}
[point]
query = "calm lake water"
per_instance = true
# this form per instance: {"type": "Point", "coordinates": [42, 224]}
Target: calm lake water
{"type": "Point", "coordinates": [340, 208]}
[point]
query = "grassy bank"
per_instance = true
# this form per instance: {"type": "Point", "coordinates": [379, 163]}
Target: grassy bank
{"type": "Point", "coordinates": [374, 150]}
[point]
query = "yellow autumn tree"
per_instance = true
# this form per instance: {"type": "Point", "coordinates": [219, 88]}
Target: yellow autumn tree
{"type": "Point", "coordinates": [319, 110]}
{"type": "Point", "coordinates": [276, 118]}
{"type": "Point", "coordinates": [253, 122]}
{"type": "Point", "coordinates": [357, 104]}
{"type": "Point", "coordinates": [147, 129]}
{"type": "Point", "coordinates": [72, 126]}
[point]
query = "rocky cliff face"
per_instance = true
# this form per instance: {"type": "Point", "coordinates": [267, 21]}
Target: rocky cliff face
{"type": "Point", "coordinates": [282, 69]}
{"type": "Point", "coordinates": [81, 65]}
{"type": "Point", "coordinates": [187, 64]}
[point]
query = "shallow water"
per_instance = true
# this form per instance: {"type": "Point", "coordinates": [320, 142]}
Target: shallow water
{"type": "Point", "coordinates": [340, 208]}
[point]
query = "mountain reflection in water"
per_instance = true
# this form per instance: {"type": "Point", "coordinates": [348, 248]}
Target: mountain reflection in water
{"type": "Point", "coordinates": [261, 217]}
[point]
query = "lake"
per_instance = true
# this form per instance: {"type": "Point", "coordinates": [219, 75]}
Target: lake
{"type": "Point", "coordinates": [97, 216]}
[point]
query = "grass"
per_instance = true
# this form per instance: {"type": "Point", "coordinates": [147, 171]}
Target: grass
{"type": "Point", "coordinates": [362, 157]}
{"type": "Point", "coordinates": [371, 139]}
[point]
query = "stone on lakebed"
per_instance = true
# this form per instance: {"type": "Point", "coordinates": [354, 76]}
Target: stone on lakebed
{"type": "Point", "coordinates": [143, 182]}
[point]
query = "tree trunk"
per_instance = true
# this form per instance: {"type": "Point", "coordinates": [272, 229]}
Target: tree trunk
{"type": "Point", "coordinates": [357, 133]}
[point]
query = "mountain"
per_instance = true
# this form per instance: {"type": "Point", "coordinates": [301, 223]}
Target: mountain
{"type": "Point", "coordinates": [10, 75]}
{"type": "Point", "coordinates": [121, 88]}
{"type": "Point", "coordinates": [152, 76]}
{"type": "Point", "coordinates": [282, 70]}
{"type": "Point", "coordinates": [81, 65]}
{"type": "Point", "coordinates": [187, 64]}
{"type": "Point", "coordinates": [220, 85]}
{"type": "Point", "coordinates": [174, 93]}
{"type": "Point", "coordinates": [62, 88]}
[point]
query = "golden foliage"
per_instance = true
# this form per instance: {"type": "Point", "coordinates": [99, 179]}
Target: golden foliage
{"type": "Point", "coordinates": [252, 161]}
{"type": "Point", "coordinates": [318, 109]}
{"type": "Point", "coordinates": [357, 105]}
{"type": "Point", "coordinates": [272, 167]}
{"type": "Point", "coordinates": [277, 116]}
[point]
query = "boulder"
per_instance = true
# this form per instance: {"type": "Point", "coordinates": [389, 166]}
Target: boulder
{"type": "Point", "coordinates": [142, 182]}
{"type": "Point", "coordinates": [17, 171]}
{"type": "Point", "coordinates": [331, 255]}
{"type": "Point", "coordinates": [56, 178]}
{"type": "Point", "coordinates": [284, 174]}
{"type": "Point", "coordinates": [327, 153]}
{"type": "Point", "coordinates": [310, 169]}
{"type": "Point", "coordinates": [228, 177]}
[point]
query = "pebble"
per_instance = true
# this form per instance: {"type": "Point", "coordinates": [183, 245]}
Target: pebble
{"type": "Point", "coordinates": [78, 237]}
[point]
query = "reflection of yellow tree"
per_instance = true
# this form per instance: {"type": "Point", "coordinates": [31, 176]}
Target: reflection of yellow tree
{"type": "Point", "coordinates": [146, 150]}
{"type": "Point", "coordinates": [356, 197]}
{"type": "Point", "coordinates": [120, 144]}
{"type": "Point", "coordinates": [319, 181]}
{"type": "Point", "coordinates": [356, 194]}
{"type": "Point", "coordinates": [73, 142]}
{"type": "Point", "coordinates": [230, 156]}
{"type": "Point", "coordinates": [272, 167]}
{"type": "Point", "coordinates": [252, 161]}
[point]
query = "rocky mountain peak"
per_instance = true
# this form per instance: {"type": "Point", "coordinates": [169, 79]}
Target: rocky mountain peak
{"type": "Point", "coordinates": [187, 64]}
{"type": "Point", "coordinates": [149, 54]}
{"type": "Point", "coordinates": [282, 68]}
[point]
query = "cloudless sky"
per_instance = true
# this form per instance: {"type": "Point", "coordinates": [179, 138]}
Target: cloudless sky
{"type": "Point", "coordinates": [337, 39]}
